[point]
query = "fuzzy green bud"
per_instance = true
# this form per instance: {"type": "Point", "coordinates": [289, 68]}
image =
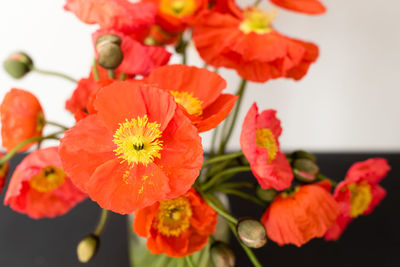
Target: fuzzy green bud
{"type": "Point", "coordinates": [251, 232]}
{"type": "Point", "coordinates": [266, 195]}
{"type": "Point", "coordinates": [222, 255]}
{"type": "Point", "coordinates": [18, 65]}
{"type": "Point", "coordinates": [305, 170]}
{"type": "Point", "coordinates": [300, 154]}
{"type": "Point", "coordinates": [87, 248]}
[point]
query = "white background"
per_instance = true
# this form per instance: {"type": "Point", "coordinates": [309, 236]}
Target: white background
{"type": "Point", "coordinates": [349, 101]}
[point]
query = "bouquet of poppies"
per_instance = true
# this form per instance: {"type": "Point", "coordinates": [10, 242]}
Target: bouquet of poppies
{"type": "Point", "coordinates": [136, 148]}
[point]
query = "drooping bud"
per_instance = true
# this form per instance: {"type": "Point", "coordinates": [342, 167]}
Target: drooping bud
{"type": "Point", "coordinates": [87, 248]}
{"type": "Point", "coordinates": [300, 154]}
{"type": "Point", "coordinates": [251, 232]}
{"type": "Point", "coordinates": [222, 255]}
{"type": "Point", "coordinates": [305, 170]}
{"type": "Point", "coordinates": [266, 195]}
{"type": "Point", "coordinates": [18, 65]}
{"type": "Point", "coordinates": [109, 49]}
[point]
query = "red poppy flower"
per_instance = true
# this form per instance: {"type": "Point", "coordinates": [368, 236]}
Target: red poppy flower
{"type": "Point", "coordinates": [175, 15]}
{"type": "Point", "coordinates": [137, 149]}
{"type": "Point", "coordinates": [177, 227]}
{"type": "Point", "coordinates": [311, 7]}
{"type": "Point", "coordinates": [40, 188]}
{"type": "Point", "coordinates": [260, 145]}
{"type": "Point", "coordinates": [138, 59]}
{"type": "Point", "coordinates": [359, 193]}
{"type": "Point", "coordinates": [197, 91]}
{"type": "Point", "coordinates": [248, 43]}
{"type": "Point", "coordinates": [297, 217]}
{"type": "Point", "coordinates": [120, 15]}
{"type": "Point", "coordinates": [21, 118]}
{"type": "Point", "coordinates": [4, 168]}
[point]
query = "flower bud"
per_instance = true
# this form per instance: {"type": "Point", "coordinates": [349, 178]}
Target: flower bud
{"type": "Point", "coordinates": [222, 255]}
{"type": "Point", "coordinates": [266, 195]}
{"type": "Point", "coordinates": [108, 38]}
{"type": "Point", "coordinates": [305, 170]}
{"type": "Point", "coordinates": [87, 248]}
{"type": "Point", "coordinates": [110, 56]}
{"type": "Point", "coordinates": [18, 65]}
{"type": "Point", "coordinates": [251, 232]}
{"type": "Point", "coordinates": [300, 154]}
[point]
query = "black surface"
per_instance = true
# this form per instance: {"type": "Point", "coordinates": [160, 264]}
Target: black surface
{"type": "Point", "coordinates": [372, 240]}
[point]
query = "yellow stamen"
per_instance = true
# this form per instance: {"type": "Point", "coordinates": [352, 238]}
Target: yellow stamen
{"type": "Point", "coordinates": [178, 8]}
{"type": "Point", "coordinates": [360, 198]}
{"type": "Point", "coordinates": [257, 21]}
{"type": "Point", "coordinates": [48, 179]}
{"type": "Point", "coordinates": [266, 139]}
{"type": "Point", "coordinates": [173, 216]}
{"type": "Point", "coordinates": [138, 141]}
{"type": "Point", "coordinates": [191, 104]}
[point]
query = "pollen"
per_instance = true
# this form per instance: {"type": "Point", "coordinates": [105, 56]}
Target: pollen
{"type": "Point", "coordinates": [178, 8]}
{"type": "Point", "coordinates": [266, 139]}
{"type": "Point", "coordinates": [360, 198]}
{"type": "Point", "coordinates": [138, 141]}
{"type": "Point", "coordinates": [257, 21]}
{"type": "Point", "coordinates": [173, 216]}
{"type": "Point", "coordinates": [191, 104]}
{"type": "Point", "coordinates": [48, 179]}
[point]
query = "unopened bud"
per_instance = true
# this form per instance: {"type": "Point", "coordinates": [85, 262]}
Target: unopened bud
{"type": "Point", "coordinates": [18, 65]}
{"type": "Point", "coordinates": [109, 48]}
{"type": "Point", "coordinates": [266, 195]}
{"type": "Point", "coordinates": [87, 248]}
{"type": "Point", "coordinates": [108, 38]}
{"type": "Point", "coordinates": [305, 170]}
{"type": "Point", "coordinates": [222, 255]}
{"type": "Point", "coordinates": [300, 154]}
{"type": "Point", "coordinates": [252, 233]}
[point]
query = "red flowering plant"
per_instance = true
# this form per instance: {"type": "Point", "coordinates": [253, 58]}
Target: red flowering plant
{"type": "Point", "coordinates": [135, 147]}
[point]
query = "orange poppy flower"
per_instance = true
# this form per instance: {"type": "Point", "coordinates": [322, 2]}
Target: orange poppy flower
{"type": "Point", "coordinates": [4, 168]}
{"type": "Point", "coordinates": [359, 193]}
{"type": "Point", "coordinates": [138, 59]}
{"type": "Point", "coordinates": [260, 145]}
{"type": "Point", "coordinates": [197, 91]}
{"type": "Point", "coordinates": [21, 118]}
{"type": "Point", "coordinates": [120, 15]}
{"type": "Point", "coordinates": [81, 102]}
{"type": "Point", "coordinates": [137, 149]}
{"type": "Point", "coordinates": [297, 217]}
{"type": "Point", "coordinates": [311, 7]}
{"type": "Point", "coordinates": [177, 227]}
{"type": "Point", "coordinates": [247, 43]}
{"type": "Point", "coordinates": [40, 188]}
{"type": "Point", "coordinates": [175, 15]}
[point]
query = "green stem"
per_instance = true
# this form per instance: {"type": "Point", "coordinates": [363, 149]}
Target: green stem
{"type": "Point", "coordinates": [111, 74]}
{"type": "Point", "coordinates": [122, 76]}
{"type": "Point", "coordinates": [95, 70]}
{"type": "Point", "coordinates": [220, 211]}
{"type": "Point", "coordinates": [226, 137]}
{"type": "Point", "coordinates": [53, 73]}
{"type": "Point", "coordinates": [56, 124]}
{"type": "Point", "coordinates": [13, 151]}
{"type": "Point", "coordinates": [232, 171]}
{"type": "Point", "coordinates": [213, 141]}
{"type": "Point", "coordinates": [246, 249]}
{"type": "Point", "coordinates": [222, 158]}
{"type": "Point", "coordinates": [241, 194]}
{"type": "Point", "coordinates": [102, 222]}
{"type": "Point", "coordinates": [233, 185]}
{"type": "Point", "coordinates": [189, 261]}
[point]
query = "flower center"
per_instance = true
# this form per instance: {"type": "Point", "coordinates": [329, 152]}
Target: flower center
{"type": "Point", "coordinates": [191, 104]}
{"type": "Point", "coordinates": [48, 179]}
{"type": "Point", "coordinates": [257, 21]}
{"type": "Point", "coordinates": [178, 8]}
{"type": "Point", "coordinates": [266, 139]}
{"type": "Point", "coordinates": [138, 141]}
{"type": "Point", "coordinates": [173, 216]}
{"type": "Point", "coordinates": [360, 198]}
